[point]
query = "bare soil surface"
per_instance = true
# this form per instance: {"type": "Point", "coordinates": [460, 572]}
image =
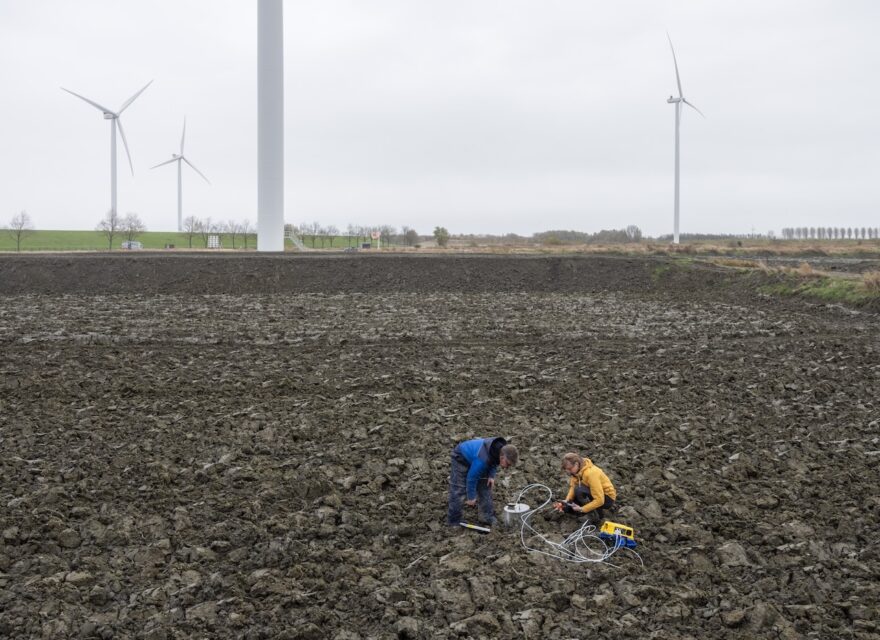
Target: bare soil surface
{"type": "Point", "coordinates": [258, 447]}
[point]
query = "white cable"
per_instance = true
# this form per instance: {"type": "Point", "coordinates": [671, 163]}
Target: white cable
{"type": "Point", "coordinates": [583, 545]}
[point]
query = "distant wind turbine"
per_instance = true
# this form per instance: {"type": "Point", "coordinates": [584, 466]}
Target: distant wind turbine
{"type": "Point", "coordinates": [179, 159]}
{"type": "Point", "coordinates": [677, 102]}
{"type": "Point", "coordinates": [113, 117]}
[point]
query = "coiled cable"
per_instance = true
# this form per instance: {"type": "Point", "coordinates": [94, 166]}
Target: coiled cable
{"type": "Point", "coordinates": [581, 546]}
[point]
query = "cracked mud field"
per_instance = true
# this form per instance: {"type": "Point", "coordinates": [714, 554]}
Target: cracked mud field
{"type": "Point", "coordinates": [252, 447]}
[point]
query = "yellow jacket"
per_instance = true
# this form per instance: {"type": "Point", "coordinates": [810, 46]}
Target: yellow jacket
{"type": "Point", "coordinates": [593, 477]}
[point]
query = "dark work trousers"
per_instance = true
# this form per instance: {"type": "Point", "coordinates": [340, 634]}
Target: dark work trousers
{"type": "Point", "coordinates": [583, 496]}
{"type": "Point", "coordinates": [458, 472]}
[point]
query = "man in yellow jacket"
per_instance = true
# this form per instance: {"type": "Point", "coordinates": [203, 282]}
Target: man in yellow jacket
{"type": "Point", "coordinates": [589, 489]}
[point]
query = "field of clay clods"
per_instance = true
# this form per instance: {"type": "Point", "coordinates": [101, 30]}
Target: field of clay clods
{"type": "Point", "coordinates": [198, 464]}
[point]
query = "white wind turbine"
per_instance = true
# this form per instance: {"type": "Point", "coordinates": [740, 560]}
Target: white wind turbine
{"type": "Point", "coordinates": [677, 102]}
{"type": "Point", "coordinates": [113, 117]}
{"type": "Point", "coordinates": [180, 159]}
{"type": "Point", "coordinates": [270, 125]}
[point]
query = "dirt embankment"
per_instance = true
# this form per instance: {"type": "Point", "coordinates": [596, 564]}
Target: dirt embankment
{"type": "Point", "coordinates": [207, 274]}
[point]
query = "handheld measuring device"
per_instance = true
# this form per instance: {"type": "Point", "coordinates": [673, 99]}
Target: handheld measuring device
{"type": "Point", "coordinates": [618, 534]}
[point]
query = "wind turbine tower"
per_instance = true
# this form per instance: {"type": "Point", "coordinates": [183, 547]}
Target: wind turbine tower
{"type": "Point", "coordinates": [115, 123]}
{"type": "Point", "coordinates": [180, 159]}
{"type": "Point", "coordinates": [680, 100]}
{"type": "Point", "coordinates": [270, 126]}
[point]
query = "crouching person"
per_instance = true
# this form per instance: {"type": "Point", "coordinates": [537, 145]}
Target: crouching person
{"type": "Point", "coordinates": [590, 491]}
{"type": "Point", "coordinates": [472, 476]}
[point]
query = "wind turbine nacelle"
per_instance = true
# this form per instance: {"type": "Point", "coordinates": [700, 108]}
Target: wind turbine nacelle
{"type": "Point", "coordinates": [108, 116]}
{"type": "Point", "coordinates": [672, 100]}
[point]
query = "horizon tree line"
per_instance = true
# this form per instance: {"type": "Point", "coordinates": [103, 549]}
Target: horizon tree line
{"type": "Point", "coordinates": [831, 233]}
{"type": "Point", "coordinates": [131, 226]}
{"type": "Point", "coordinates": [315, 232]}
{"type": "Point", "coordinates": [205, 228]}
{"type": "Point", "coordinates": [241, 233]}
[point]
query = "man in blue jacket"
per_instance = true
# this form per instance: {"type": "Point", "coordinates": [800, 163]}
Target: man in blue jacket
{"type": "Point", "coordinates": [474, 464]}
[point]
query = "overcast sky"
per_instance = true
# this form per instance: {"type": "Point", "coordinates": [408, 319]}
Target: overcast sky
{"type": "Point", "coordinates": [483, 116]}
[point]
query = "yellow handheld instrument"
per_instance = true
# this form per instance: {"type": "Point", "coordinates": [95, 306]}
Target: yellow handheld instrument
{"type": "Point", "coordinates": [618, 534]}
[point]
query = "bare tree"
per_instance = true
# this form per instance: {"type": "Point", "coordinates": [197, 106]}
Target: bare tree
{"type": "Point", "coordinates": [319, 233]}
{"type": "Point", "coordinates": [132, 226]}
{"type": "Point", "coordinates": [206, 230]}
{"type": "Point", "coordinates": [110, 226]}
{"type": "Point", "coordinates": [361, 233]}
{"type": "Point", "coordinates": [246, 230]}
{"type": "Point", "coordinates": [219, 229]}
{"type": "Point", "coordinates": [232, 228]}
{"type": "Point", "coordinates": [191, 226]}
{"type": "Point", "coordinates": [20, 227]}
{"type": "Point", "coordinates": [388, 232]}
{"type": "Point", "coordinates": [332, 232]}
{"type": "Point", "coordinates": [311, 229]}
{"type": "Point", "coordinates": [633, 233]}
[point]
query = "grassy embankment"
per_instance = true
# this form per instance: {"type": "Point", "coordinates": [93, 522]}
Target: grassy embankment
{"type": "Point", "coordinates": [40, 240]}
{"type": "Point", "coordinates": [755, 248]}
{"type": "Point", "coordinates": [861, 290]}
{"type": "Point", "coordinates": [97, 241]}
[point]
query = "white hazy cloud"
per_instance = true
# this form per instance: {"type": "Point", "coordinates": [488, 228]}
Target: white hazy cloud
{"type": "Point", "coordinates": [478, 115]}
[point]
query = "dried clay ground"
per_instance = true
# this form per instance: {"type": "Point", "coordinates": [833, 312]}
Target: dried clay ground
{"type": "Point", "coordinates": [258, 447]}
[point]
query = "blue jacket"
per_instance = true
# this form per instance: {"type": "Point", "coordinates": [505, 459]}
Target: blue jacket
{"type": "Point", "coordinates": [482, 454]}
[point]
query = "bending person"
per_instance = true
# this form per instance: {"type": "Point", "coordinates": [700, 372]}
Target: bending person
{"type": "Point", "coordinates": [590, 491]}
{"type": "Point", "coordinates": [472, 476]}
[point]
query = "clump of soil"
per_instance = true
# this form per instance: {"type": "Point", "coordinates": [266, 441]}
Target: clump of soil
{"type": "Point", "coordinates": [203, 459]}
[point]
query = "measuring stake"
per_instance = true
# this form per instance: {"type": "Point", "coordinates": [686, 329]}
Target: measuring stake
{"type": "Point", "coordinates": [475, 527]}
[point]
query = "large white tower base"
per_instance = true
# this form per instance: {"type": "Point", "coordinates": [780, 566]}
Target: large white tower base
{"type": "Point", "coordinates": [270, 126]}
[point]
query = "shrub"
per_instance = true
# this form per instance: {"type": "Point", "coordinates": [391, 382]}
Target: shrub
{"type": "Point", "coordinates": [441, 235]}
{"type": "Point", "coordinates": [871, 279]}
{"type": "Point", "coordinates": [806, 271]}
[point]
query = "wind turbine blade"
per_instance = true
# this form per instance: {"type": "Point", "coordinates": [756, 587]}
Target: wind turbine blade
{"type": "Point", "coordinates": [692, 107]}
{"type": "Point", "coordinates": [128, 102]}
{"type": "Point", "coordinates": [183, 137]}
{"type": "Point", "coordinates": [94, 104]}
{"type": "Point", "coordinates": [125, 144]}
{"type": "Point", "coordinates": [196, 170]}
{"type": "Point", "coordinates": [166, 162]}
{"type": "Point", "coordinates": [675, 62]}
